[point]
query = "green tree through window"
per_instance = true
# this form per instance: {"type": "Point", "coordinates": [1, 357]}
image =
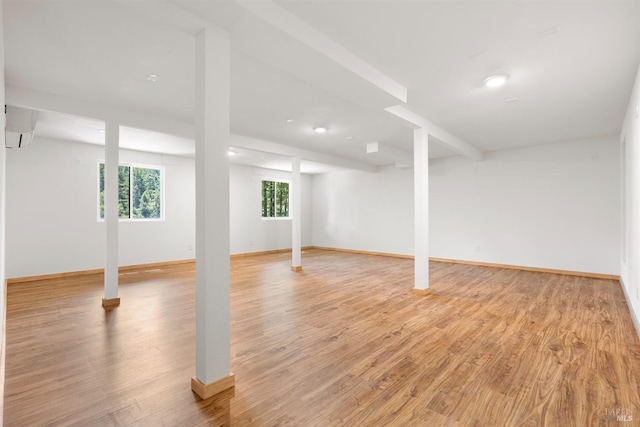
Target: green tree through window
{"type": "Point", "coordinates": [275, 199]}
{"type": "Point", "coordinates": [146, 193]}
{"type": "Point", "coordinates": [139, 192]}
{"type": "Point", "coordinates": [124, 183]}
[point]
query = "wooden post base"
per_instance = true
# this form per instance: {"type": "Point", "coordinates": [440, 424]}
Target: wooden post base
{"type": "Point", "coordinates": [111, 302]}
{"type": "Point", "coordinates": [296, 268]}
{"type": "Point", "coordinates": [206, 391]}
{"type": "Point", "coordinates": [423, 292]}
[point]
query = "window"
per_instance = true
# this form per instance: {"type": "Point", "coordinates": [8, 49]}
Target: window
{"type": "Point", "coordinates": [275, 199]}
{"type": "Point", "coordinates": [139, 192]}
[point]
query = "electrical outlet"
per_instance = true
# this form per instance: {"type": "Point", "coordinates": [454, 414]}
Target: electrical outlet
{"type": "Point", "coordinates": [250, 242]}
{"type": "Point", "coordinates": [190, 247]}
{"type": "Point", "coordinates": [476, 248]}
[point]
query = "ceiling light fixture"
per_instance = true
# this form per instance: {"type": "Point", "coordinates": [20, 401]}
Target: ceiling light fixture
{"type": "Point", "coordinates": [349, 137]}
{"type": "Point", "coordinates": [496, 80]}
{"type": "Point", "coordinates": [231, 153]}
{"type": "Point", "coordinates": [153, 77]}
{"type": "Point", "coordinates": [291, 120]}
{"type": "Point", "coordinates": [320, 129]}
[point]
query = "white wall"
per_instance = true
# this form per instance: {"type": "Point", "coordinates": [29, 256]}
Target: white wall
{"type": "Point", "coordinates": [52, 201]}
{"type": "Point", "coordinates": [364, 211]}
{"type": "Point", "coordinates": [51, 209]}
{"type": "Point", "coordinates": [52, 222]}
{"type": "Point", "coordinates": [251, 233]}
{"type": "Point", "coordinates": [2, 201]}
{"type": "Point", "coordinates": [549, 206]}
{"type": "Point", "coordinates": [630, 230]}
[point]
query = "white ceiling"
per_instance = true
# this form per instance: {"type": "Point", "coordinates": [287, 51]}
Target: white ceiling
{"type": "Point", "coordinates": [571, 66]}
{"type": "Point", "coordinates": [91, 131]}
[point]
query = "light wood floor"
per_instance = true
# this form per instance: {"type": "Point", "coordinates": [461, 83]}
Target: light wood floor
{"type": "Point", "coordinates": [345, 342]}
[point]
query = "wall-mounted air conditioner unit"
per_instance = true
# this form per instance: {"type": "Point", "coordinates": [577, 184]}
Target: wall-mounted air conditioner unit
{"type": "Point", "coordinates": [20, 127]}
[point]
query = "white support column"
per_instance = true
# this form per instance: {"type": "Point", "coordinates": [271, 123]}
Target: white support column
{"type": "Point", "coordinates": [213, 316]}
{"type": "Point", "coordinates": [421, 209]}
{"type": "Point", "coordinates": [111, 213]}
{"type": "Point", "coordinates": [295, 212]}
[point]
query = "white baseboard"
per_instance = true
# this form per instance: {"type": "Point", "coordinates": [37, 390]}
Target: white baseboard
{"type": "Point", "coordinates": [634, 317]}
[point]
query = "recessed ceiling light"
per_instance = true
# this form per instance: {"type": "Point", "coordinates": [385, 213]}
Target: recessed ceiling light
{"type": "Point", "coordinates": [231, 153]}
{"type": "Point", "coordinates": [291, 120]}
{"type": "Point", "coordinates": [320, 129]}
{"type": "Point", "coordinates": [153, 77]}
{"type": "Point", "coordinates": [514, 99]}
{"type": "Point", "coordinates": [496, 80]}
{"type": "Point", "coordinates": [101, 130]}
{"type": "Point", "coordinates": [349, 137]}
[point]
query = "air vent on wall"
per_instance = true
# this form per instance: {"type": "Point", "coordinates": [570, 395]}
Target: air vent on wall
{"type": "Point", "coordinates": [20, 127]}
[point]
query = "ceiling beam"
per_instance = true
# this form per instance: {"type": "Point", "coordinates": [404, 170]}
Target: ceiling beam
{"type": "Point", "coordinates": [298, 29]}
{"type": "Point", "coordinates": [289, 151]}
{"type": "Point", "coordinates": [443, 137]}
{"type": "Point", "coordinates": [172, 15]}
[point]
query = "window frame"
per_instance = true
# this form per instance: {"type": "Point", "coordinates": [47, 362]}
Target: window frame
{"type": "Point", "coordinates": [131, 166]}
{"type": "Point", "coordinates": [275, 181]}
